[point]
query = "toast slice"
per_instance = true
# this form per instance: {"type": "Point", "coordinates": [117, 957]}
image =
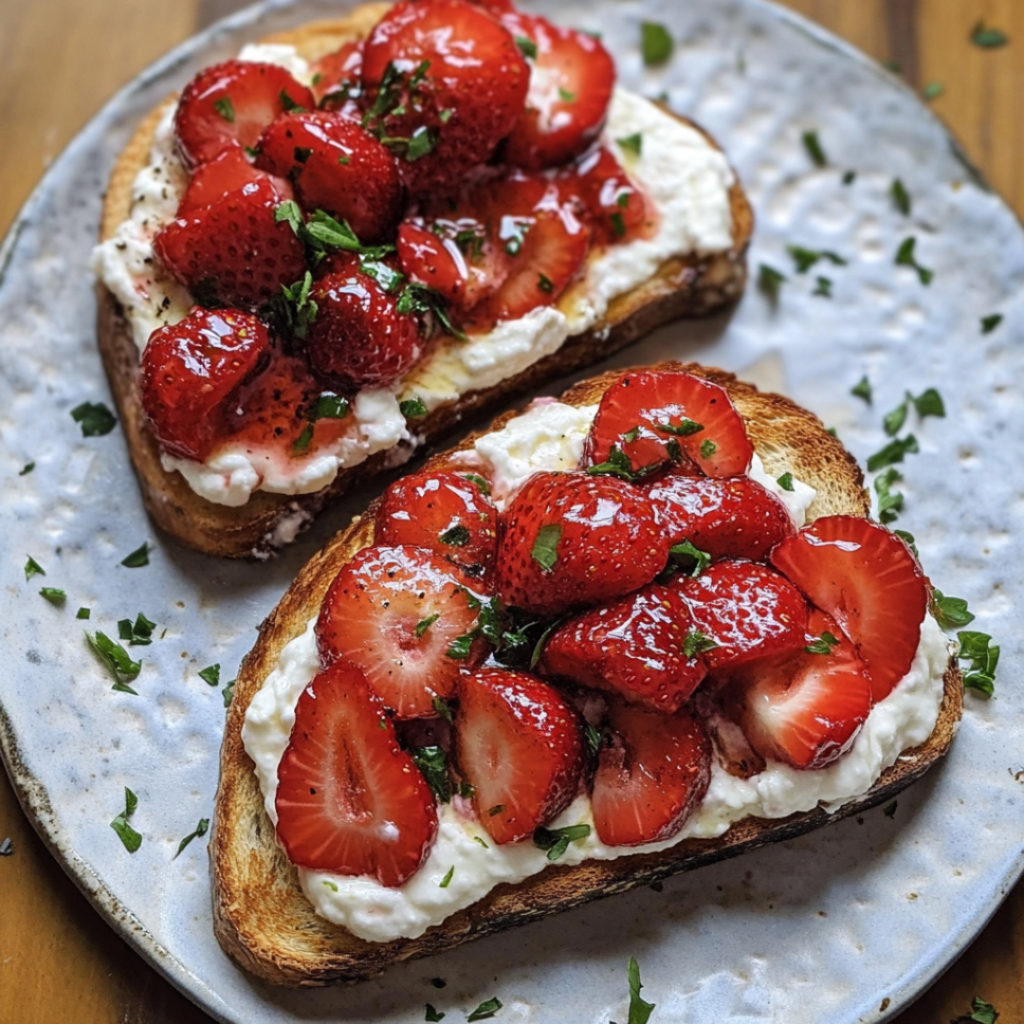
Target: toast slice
{"type": "Point", "coordinates": [686, 287]}
{"type": "Point", "coordinates": [261, 916]}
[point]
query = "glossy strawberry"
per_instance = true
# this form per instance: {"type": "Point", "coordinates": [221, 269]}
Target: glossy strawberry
{"type": "Point", "coordinates": [227, 106]}
{"type": "Point", "coordinates": [335, 166]}
{"type": "Point", "coordinates": [223, 174]}
{"type": "Point", "coordinates": [656, 418]}
{"type": "Point", "coordinates": [349, 799]}
{"type": "Point", "coordinates": [569, 540]}
{"type": "Point", "coordinates": [633, 647]}
{"type": "Point", "coordinates": [747, 612]}
{"type": "Point", "coordinates": [652, 776]}
{"type": "Point", "coordinates": [806, 709]}
{"type": "Point", "coordinates": [518, 744]}
{"type": "Point", "coordinates": [447, 513]}
{"type": "Point", "coordinates": [192, 370]}
{"type": "Point", "coordinates": [614, 207]}
{"type": "Point", "coordinates": [395, 612]}
{"type": "Point", "coordinates": [446, 76]}
{"type": "Point", "coordinates": [337, 77]}
{"type": "Point", "coordinates": [570, 88]}
{"type": "Point", "coordinates": [233, 252]}
{"type": "Point", "coordinates": [731, 518]}
{"type": "Point", "coordinates": [866, 578]}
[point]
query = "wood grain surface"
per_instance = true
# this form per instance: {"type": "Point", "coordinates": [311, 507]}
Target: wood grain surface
{"type": "Point", "coordinates": [60, 60]}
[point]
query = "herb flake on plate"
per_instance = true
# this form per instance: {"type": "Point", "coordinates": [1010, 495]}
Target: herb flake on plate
{"type": "Point", "coordinates": [200, 830]}
{"type": "Point", "coordinates": [656, 44]}
{"type": "Point", "coordinates": [128, 836]}
{"type": "Point", "coordinates": [94, 418]}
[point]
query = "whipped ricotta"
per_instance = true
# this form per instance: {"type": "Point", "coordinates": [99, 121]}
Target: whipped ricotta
{"type": "Point", "coordinates": [684, 176]}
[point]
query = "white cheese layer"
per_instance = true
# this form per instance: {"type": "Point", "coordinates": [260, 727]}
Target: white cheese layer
{"type": "Point", "coordinates": [686, 179]}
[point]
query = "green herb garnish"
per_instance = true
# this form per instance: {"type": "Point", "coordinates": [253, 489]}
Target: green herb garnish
{"type": "Point", "coordinates": [433, 1015]}
{"type": "Point", "coordinates": [225, 108]}
{"type": "Point", "coordinates": [83, 613]}
{"type": "Point", "coordinates": [770, 282]}
{"type": "Point", "coordinates": [949, 612]}
{"type": "Point", "coordinates": [707, 449]}
{"type": "Point", "coordinates": [527, 46]}
{"type": "Point", "coordinates": [138, 633]}
{"type": "Point", "coordinates": [933, 90]}
{"type": "Point", "coordinates": [905, 258]}
{"type": "Point", "coordinates": [988, 38]}
{"type": "Point", "coordinates": [893, 452]}
{"type": "Point", "coordinates": [814, 149]}
{"type": "Point", "coordinates": [424, 624]}
{"type": "Point", "coordinates": [443, 710]}
{"type": "Point", "coordinates": [412, 408]}
{"type": "Point", "coordinates": [447, 878]}
{"type": "Point", "coordinates": [228, 693]}
{"type": "Point", "coordinates": [545, 548]}
{"type": "Point", "coordinates": [807, 258]}
{"type": "Point", "coordinates": [131, 839]}
{"type": "Point", "coordinates": [433, 763]}
{"type": "Point", "coordinates": [890, 503]}
{"type": "Point", "coordinates": [211, 675]}
{"type": "Point", "coordinates": [786, 481]}
{"type": "Point", "coordinates": [94, 418]}
{"type": "Point", "coordinates": [200, 830]}
{"type": "Point", "coordinates": [684, 429]}
{"type": "Point", "coordinates": [656, 44]}
{"type": "Point", "coordinates": [988, 323]}
{"type": "Point", "coordinates": [33, 568]}
{"type": "Point", "coordinates": [822, 644]}
{"type": "Point", "coordinates": [862, 389]}
{"type": "Point", "coordinates": [697, 643]}
{"type": "Point", "coordinates": [977, 648]}
{"type": "Point", "coordinates": [901, 197]}
{"type": "Point", "coordinates": [29, 466]}
{"type": "Point", "coordinates": [823, 287]}
{"type": "Point", "coordinates": [457, 536]}
{"type": "Point", "coordinates": [632, 143]}
{"type": "Point", "coordinates": [556, 840]}
{"type": "Point", "coordinates": [138, 558]}
{"type": "Point", "coordinates": [54, 595]}
{"type": "Point", "coordinates": [639, 1010]}
{"type": "Point", "coordinates": [117, 660]}
{"type": "Point", "coordinates": [485, 487]}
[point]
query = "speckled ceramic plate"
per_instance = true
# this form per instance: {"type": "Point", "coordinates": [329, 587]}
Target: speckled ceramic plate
{"type": "Point", "coordinates": [844, 925]}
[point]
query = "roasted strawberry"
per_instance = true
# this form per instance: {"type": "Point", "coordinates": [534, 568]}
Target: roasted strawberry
{"type": "Point", "coordinates": [229, 104]}
{"type": "Point", "coordinates": [742, 612]}
{"type": "Point", "coordinates": [652, 777]}
{"type": "Point", "coordinates": [223, 174]}
{"type": "Point", "coordinates": [633, 647]}
{"type": "Point", "coordinates": [807, 708]}
{"type": "Point", "coordinates": [190, 372]}
{"type": "Point", "coordinates": [233, 252]}
{"type": "Point", "coordinates": [447, 513]}
{"type": "Point", "coordinates": [359, 339]}
{"type": "Point", "coordinates": [518, 744]}
{"type": "Point", "coordinates": [335, 166]}
{"type": "Point", "coordinates": [733, 518]}
{"type": "Point", "coordinates": [337, 76]}
{"type": "Point", "coordinates": [570, 88]}
{"type": "Point", "coordinates": [866, 578]}
{"type": "Point", "coordinates": [349, 799]}
{"type": "Point", "coordinates": [445, 82]}
{"type": "Point", "coordinates": [615, 207]}
{"type": "Point", "coordinates": [396, 612]}
{"type": "Point", "coordinates": [570, 540]}
{"type": "Point", "coordinates": [655, 418]}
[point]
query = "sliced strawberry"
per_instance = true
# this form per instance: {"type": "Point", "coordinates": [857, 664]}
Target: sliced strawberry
{"type": "Point", "coordinates": [734, 518]}
{"type": "Point", "coordinates": [229, 104]}
{"type": "Point", "coordinates": [335, 166]}
{"type": "Point", "coordinates": [732, 748]}
{"type": "Point", "coordinates": [445, 512]}
{"type": "Point", "coordinates": [866, 578]}
{"type": "Point", "coordinates": [569, 540]}
{"type": "Point", "coordinates": [359, 339]}
{"type": "Point", "coordinates": [349, 799]}
{"type": "Point", "coordinates": [337, 76]}
{"type": "Point", "coordinates": [746, 611]}
{"type": "Point", "coordinates": [652, 778]}
{"type": "Point", "coordinates": [395, 612]}
{"type": "Point", "coordinates": [806, 709]}
{"type": "Point", "coordinates": [233, 252]}
{"type": "Point", "coordinates": [518, 744]}
{"type": "Point", "coordinates": [445, 76]}
{"type": "Point", "coordinates": [570, 88]}
{"type": "Point", "coordinates": [658, 417]}
{"type": "Point", "coordinates": [633, 647]}
{"type": "Point", "coordinates": [615, 208]}
{"type": "Point", "coordinates": [190, 373]}
{"type": "Point", "coordinates": [223, 174]}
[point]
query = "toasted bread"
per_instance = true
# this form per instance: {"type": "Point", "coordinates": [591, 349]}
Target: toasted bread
{"type": "Point", "coordinates": [261, 916]}
{"type": "Point", "coordinates": [684, 287]}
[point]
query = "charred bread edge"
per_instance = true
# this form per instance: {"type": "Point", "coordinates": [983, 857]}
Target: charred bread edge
{"type": "Point", "coordinates": [682, 287]}
{"type": "Point", "coordinates": [261, 916]}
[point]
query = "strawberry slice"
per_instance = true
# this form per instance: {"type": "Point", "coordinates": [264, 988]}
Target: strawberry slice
{"type": "Point", "coordinates": [349, 799]}
{"type": "Point", "coordinates": [615, 207]}
{"type": "Point", "coordinates": [226, 173]}
{"type": "Point", "coordinates": [519, 745]}
{"type": "Point", "coordinates": [633, 647]}
{"type": "Point", "coordinates": [570, 88]}
{"type": "Point", "coordinates": [447, 513]}
{"type": "Point", "coordinates": [652, 777]}
{"type": "Point", "coordinates": [867, 579]}
{"type": "Point", "coordinates": [734, 518]}
{"type": "Point", "coordinates": [807, 709]}
{"type": "Point", "coordinates": [655, 418]}
{"type": "Point", "coordinates": [747, 612]}
{"type": "Point", "coordinates": [337, 76]}
{"type": "Point", "coordinates": [190, 373]}
{"type": "Point", "coordinates": [233, 252]}
{"type": "Point", "coordinates": [568, 540]}
{"type": "Point", "coordinates": [227, 106]}
{"type": "Point", "coordinates": [335, 166]}
{"type": "Point", "coordinates": [395, 612]}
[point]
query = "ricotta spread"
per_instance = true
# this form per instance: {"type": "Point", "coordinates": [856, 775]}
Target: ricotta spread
{"type": "Point", "coordinates": [684, 176]}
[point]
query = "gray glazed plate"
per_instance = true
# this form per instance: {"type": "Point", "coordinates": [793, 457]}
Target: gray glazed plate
{"type": "Point", "coordinates": [832, 927]}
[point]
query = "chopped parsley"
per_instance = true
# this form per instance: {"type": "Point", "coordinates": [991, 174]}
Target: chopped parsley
{"type": "Point", "coordinates": [433, 1015]}
{"type": "Point", "coordinates": [592, 737]}
{"type": "Point", "coordinates": [632, 143]}
{"type": "Point", "coordinates": [889, 810]}
{"type": "Point", "coordinates": [475, 478]}
{"type": "Point", "coordinates": [988, 38]}
{"type": "Point", "coordinates": [138, 633]}
{"type": "Point", "coordinates": [890, 503]}
{"type": "Point", "coordinates": [225, 108]}
{"type": "Point", "coordinates": [433, 763]}
{"type": "Point", "coordinates": [928, 403]}
{"type": "Point", "coordinates": [33, 568]}
{"type": "Point", "coordinates": [908, 539]}
{"type": "Point", "coordinates": [981, 1013]}
{"type": "Point", "coordinates": [289, 105]}
{"type": "Point", "coordinates": [200, 830]}
{"type": "Point", "coordinates": [949, 612]}
{"type": "Point", "coordinates": [443, 710]}
{"type": "Point", "coordinates": [54, 595]}
{"type": "Point", "coordinates": [556, 840]}
{"type": "Point", "coordinates": [901, 197]}
{"type": "Point", "coordinates": [905, 258]}
{"type": "Point", "coordinates": [545, 284]}
{"type": "Point", "coordinates": [849, 177]}
{"type": "Point", "coordinates": [682, 555]}
{"type": "Point", "coordinates": [656, 44]}
{"type": "Point", "coordinates": [988, 325]}
{"type": "Point", "coordinates": [94, 418]}
{"type": "Point", "coordinates": [322, 233]}
{"type": "Point", "coordinates": [786, 481]}
{"type": "Point", "coordinates": [529, 49]}
{"type": "Point", "coordinates": [619, 463]}
{"type": "Point", "coordinates": [116, 659]}
{"type": "Point", "coordinates": [228, 693]}
{"type": "Point", "coordinates": [933, 90]}
{"type": "Point", "coordinates": [565, 96]}
{"type": "Point", "coordinates": [29, 466]}
{"type": "Point", "coordinates": [457, 536]}
{"type": "Point", "coordinates": [480, 841]}
{"type": "Point", "coordinates": [823, 644]}
{"type": "Point", "coordinates": [823, 287]}
{"type": "Point", "coordinates": [328, 884]}
{"type": "Point", "coordinates": [211, 675]}
{"type": "Point", "coordinates": [977, 648]}
{"type": "Point", "coordinates": [461, 646]}
{"type": "Point", "coordinates": [412, 408]}
{"type": "Point", "coordinates": [545, 548]}
{"type": "Point", "coordinates": [131, 839]}
{"type": "Point", "coordinates": [419, 299]}
{"type": "Point", "coordinates": [862, 389]}
{"type": "Point", "coordinates": [807, 258]}
{"type": "Point", "coordinates": [83, 613]}
{"type": "Point", "coordinates": [814, 149]}
{"type": "Point", "coordinates": [893, 452]}
{"type": "Point", "coordinates": [770, 281]}
{"type": "Point", "coordinates": [538, 649]}
{"type": "Point", "coordinates": [697, 643]}
{"type": "Point", "coordinates": [424, 624]}
{"type": "Point", "coordinates": [684, 429]}
{"type": "Point", "coordinates": [138, 558]}
{"type": "Point", "coordinates": [618, 223]}
{"type": "Point", "coordinates": [444, 883]}
{"type": "Point", "coordinates": [295, 310]}
{"type": "Point", "coordinates": [707, 449]}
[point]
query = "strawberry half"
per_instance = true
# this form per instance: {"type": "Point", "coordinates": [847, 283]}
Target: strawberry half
{"type": "Point", "coordinates": [745, 611]}
{"type": "Point", "coordinates": [337, 76]}
{"type": "Point", "coordinates": [447, 513]}
{"type": "Point", "coordinates": [615, 208]}
{"type": "Point", "coordinates": [867, 579]}
{"type": "Point", "coordinates": [569, 540]}
{"type": "Point", "coordinates": [395, 613]}
{"type": "Point", "coordinates": [652, 778]}
{"type": "Point", "coordinates": [227, 106]}
{"type": "Point", "coordinates": [807, 709]}
{"type": "Point", "coordinates": [656, 418]}
{"type": "Point", "coordinates": [349, 799]}
{"type": "Point", "coordinates": [633, 647]}
{"type": "Point", "coordinates": [518, 744]}
{"type": "Point", "coordinates": [223, 174]}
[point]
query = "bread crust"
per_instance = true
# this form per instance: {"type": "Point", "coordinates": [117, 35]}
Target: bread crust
{"type": "Point", "coordinates": [261, 916]}
{"type": "Point", "coordinates": [682, 287]}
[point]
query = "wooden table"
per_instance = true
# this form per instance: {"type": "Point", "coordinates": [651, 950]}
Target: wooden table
{"type": "Point", "coordinates": [59, 61]}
